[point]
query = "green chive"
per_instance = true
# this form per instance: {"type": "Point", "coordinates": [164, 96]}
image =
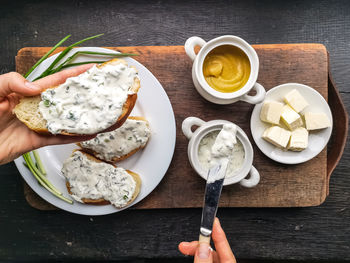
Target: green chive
{"type": "Point", "coordinates": [106, 54]}
{"type": "Point", "coordinates": [31, 164]}
{"type": "Point", "coordinates": [39, 162]}
{"type": "Point", "coordinates": [47, 103]}
{"type": "Point", "coordinates": [45, 56]}
{"type": "Point", "coordinates": [39, 178]}
{"type": "Point", "coordinates": [66, 64]}
{"type": "Point", "coordinates": [63, 53]}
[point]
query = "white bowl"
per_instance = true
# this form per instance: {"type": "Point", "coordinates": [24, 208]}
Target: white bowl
{"type": "Point", "coordinates": [203, 129]}
{"type": "Point", "coordinates": [203, 87]}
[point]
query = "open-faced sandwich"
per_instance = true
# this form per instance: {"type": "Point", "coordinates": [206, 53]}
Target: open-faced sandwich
{"type": "Point", "coordinates": [121, 143]}
{"type": "Point", "coordinates": [98, 99]}
{"type": "Point", "coordinates": [93, 181]}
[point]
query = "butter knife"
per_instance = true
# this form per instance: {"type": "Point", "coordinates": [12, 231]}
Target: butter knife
{"type": "Point", "coordinates": [215, 180]}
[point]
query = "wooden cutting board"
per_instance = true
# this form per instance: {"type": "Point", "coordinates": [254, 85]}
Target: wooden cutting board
{"type": "Point", "coordinates": [281, 185]}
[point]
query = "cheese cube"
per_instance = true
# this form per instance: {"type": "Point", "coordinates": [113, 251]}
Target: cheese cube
{"type": "Point", "coordinates": [271, 112]}
{"type": "Point", "coordinates": [291, 118]}
{"type": "Point", "coordinates": [298, 139]}
{"type": "Point", "coordinates": [277, 136]}
{"type": "Point", "coordinates": [315, 121]}
{"type": "Point", "coordinates": [295, 100]}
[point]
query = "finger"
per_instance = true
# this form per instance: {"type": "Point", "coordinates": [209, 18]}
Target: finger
{"type": "Point", "coordinates": [222, 246]}
{"type": "Point", "coordinates": [215, 257]}
{"type": "Point", "coordinates": [15, 83]}
{"type": "Point", "coordinates": [203, 254]}
{"type": "Point", "coordinates": [60, 77]}
{"type": "Point", "coordinates": [188, 248]}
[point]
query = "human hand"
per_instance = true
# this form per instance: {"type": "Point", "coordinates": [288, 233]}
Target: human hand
{"type": "Point", "coordinates": [204, 254]}
{"type": "Point", "coordinates": [15, 137]}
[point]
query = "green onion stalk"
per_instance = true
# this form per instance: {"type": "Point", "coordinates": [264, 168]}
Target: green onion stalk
{"type": "Point", "coordinates": [35, 165]}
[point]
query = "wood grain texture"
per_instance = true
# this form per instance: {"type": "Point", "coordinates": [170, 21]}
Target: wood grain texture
{"type": "Point", "coordinates": [281, 185]}
{"type": "Point", "coordinates": [261, 235]}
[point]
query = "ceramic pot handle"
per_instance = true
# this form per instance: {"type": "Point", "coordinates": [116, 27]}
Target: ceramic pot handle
{"type": "Point", "coordinates": [190, 45]}
{"type": "Point", "coordinates": [187, 126]}
{"type": "Point", "coordinates": [253, 180]}
{"type": "Point", "coordinates": [258, 97]}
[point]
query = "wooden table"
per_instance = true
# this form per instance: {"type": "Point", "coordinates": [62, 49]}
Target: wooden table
{"type": "Point", "coordinates": [317, 233]}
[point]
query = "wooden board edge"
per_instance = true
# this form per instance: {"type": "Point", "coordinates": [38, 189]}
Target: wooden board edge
{"type": "Point", "coordinates": [35, 201]}
{"type": "Point", "coordinates": [340, 127]}
{"type": "Point", "coordinates": [289, 45]}
{"type": "Point", "coordinates": [22, 51]}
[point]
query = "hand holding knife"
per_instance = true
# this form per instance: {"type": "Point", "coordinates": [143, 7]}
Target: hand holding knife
{"type": "Point", "coordinates": [221, 154]}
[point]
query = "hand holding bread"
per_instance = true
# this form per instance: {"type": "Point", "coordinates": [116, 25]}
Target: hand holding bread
{"type": "Point", "coordinates": [16, 137]}
{"type": "Point", "coordinates": [99, 99]}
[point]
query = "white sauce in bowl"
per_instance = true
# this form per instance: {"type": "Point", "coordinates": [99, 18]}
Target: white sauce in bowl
{"type": "Point", "coordinates": [88, 103]}
{"type": "Point", "coordinates": [204, 154]}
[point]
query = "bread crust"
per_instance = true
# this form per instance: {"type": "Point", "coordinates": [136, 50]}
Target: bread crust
{"type": "Point", "coordinates": [102, 201]}
{"type": "Point", "coordinates": [121, 158]}
{"type": "Point", "coordinates": [126, 110]}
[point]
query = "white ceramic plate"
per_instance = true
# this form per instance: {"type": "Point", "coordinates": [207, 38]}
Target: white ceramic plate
{"type": "Point", "coordinates": [151, 163]}
{"type": "Point", "coordinates": [317, 139]}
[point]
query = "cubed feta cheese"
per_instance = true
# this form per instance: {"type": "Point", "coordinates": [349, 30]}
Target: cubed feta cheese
{"type": "Point", "coordinates": [271, 112]}
{"type": "Point", "coordinates": [315, 121]}
{"type": "Point", "coordinates": [291, 118]}
{"type": "Point", "coordinates": [277, 136]}
{"type": "Point", "coordinates": [296, 101]}
{"type": "Point", "coordinates": [298, 140]}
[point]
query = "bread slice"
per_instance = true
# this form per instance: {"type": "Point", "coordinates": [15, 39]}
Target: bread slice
{"type": "Point", "coordinates": [27, 110]}
{"type": "Point", "coordinates": [102, 201]}
{"type": "Point", "coordinates": [117, 158]}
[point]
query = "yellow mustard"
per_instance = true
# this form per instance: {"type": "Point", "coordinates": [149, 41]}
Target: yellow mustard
{"type": "Point", "coordinates": [226, 68]}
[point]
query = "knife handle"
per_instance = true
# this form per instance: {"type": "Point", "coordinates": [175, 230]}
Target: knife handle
{"type": "Point", "coordinates": [204, 239]}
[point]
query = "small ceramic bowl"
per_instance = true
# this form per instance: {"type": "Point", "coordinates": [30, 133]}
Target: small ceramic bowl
{"type": "Point", "coordinates": [203, 129]}
{"type": "Point", "coordinates": [203, 87]}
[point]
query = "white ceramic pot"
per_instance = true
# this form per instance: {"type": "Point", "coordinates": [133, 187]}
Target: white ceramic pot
{"type": "Point", "coordinates": [203, 129]}
{"type": "Point", "coordinates": [203, 87]}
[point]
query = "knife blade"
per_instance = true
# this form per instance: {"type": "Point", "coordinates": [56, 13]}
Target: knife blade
{"type": "Point", "coordinates": [215, 180]}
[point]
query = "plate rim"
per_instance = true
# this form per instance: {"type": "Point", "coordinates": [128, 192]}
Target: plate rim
{"type": "Point", "coordinates": [267, 153]}
{"type": "Point", "coordinates": [53, 200]}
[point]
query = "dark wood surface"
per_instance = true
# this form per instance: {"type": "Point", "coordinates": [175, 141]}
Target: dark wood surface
{"type": "Point", "coordinates": [317, 233]}
{"type": "Point", "coordinates": [280, 185]}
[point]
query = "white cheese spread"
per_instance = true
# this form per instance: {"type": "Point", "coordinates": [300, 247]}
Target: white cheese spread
{"type": "Point", "coordinates": [133, 134]}
{"type": "Point", "coordinates": [88, 103]}
{"type": "Point", "coordinates": [236, 154]}
{"type": "Point", "coordinates": [93, 180]}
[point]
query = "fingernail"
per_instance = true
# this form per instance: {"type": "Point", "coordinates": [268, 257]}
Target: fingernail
{"type": "Point", "coordinates": [203, 251]}
{"type": "Point", "coordinates": [218, 221]}
{"type": "Point", "coordinates": [31, 85]}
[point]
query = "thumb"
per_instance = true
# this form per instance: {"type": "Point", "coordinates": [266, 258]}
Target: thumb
{"type": "Point", "coordinates": [203, 254]}
{"type": "Point", "coordinates": [15, 83]}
